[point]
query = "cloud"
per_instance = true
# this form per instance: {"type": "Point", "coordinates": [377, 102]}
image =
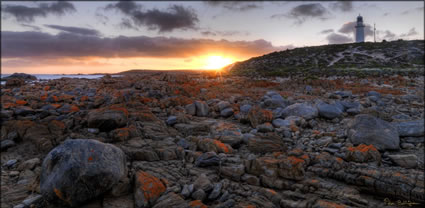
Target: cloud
{"type": "Point", "coordinates": [235, 5]}
{"type": "Point", "coordinates": [335, 38]}
{"type": "Point", "coordinates": [306, 11]}
{"type": "Point", "coordinates": [417, 9]}
{"type": "Point", "coordinates": [175, 17]}
{"type": "Point", "coordinates": [388, 35]}
{"type": "Point", "coordinates": [27, 14]}
{"type": "Point", "coordinates": [76, 30]}
{"type": "Point", "coordinates": [411, 32]}
{"type": "Point", "coordinates": [70, 45]}
{"type": "Point", "coordinates": [326, 31]}
{"type": "Point", "coordinates": [349, 28]}
{"type": "Point", "coordinates": [344, 6]}
{"type": "Point", "coordinates": [32, 27]}
{"type": "Point", "coordinates": [224, 33]}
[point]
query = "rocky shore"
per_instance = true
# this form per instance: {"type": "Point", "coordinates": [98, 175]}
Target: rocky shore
{"type": "Point", "coordinates": [168, 139]}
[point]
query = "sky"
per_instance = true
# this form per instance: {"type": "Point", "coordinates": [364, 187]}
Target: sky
{"type": "Point", "coordinates": [106, 37]}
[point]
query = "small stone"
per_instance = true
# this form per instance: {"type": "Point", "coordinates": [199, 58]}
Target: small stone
{"type": "Point", "coordinates": [226, 112]}
{"type": "Point", "coordinates": [187, 190]}
{"type": "Point", "coordinates": [11, 163]}
{"type": "Point", "coordinates": [32, 200]}
{"type": "Point", "coordinates": [171, 120]}
{"type": "Point", "coordinates": [201, 108]}
{"type": "Point", "coordinates": [245, 108]}
{"type": "Point", "coordinates": [199, 194]}
{"type": "Point", "coordinates": [191, 109]}
{"type": "Point", "coordinates": [406, 161]}
{"type": "Point", "coordinates": [29, 164]}
{"type": "Point", "coordinates": [223, 105]}
{"type": "Point", "coordinates": [265, 127]}
{"type": "Point", "coordinates": [93, 130]}
{"type": "Point", "coordinates": [202, 182]}
{"type": "Point", "coordinates": [6, 144]}
{"type": "Point", "coordinates": [407, 145]}
{"type": "Point", "coordinates": [207, 159]}
{"type": "Point", "coordinates": [216, 191]}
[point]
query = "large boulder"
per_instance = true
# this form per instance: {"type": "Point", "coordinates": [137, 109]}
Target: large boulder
{"type": "Point", "coordinates": [330, 111]}
{"type": "Point", "coordinates": [201, 108]}
{"type": "Point", "coordinates": [368, 130]}
{"type": "Point", "coordinates": [411, 128]}
{"type": "Point", "coordinates": [259, 116]}
{"type": "Point", "coordinates": [302, 110]}
{"type": "Point", "coordinates": [107, 119]}
{"type": "Point", "coordinates": [81, 169]}
{"type": "Point", "coordinates": [21, 76]}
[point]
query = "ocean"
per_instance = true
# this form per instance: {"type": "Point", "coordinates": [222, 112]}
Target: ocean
{"type": "Point", "coordinates": [43, 77]}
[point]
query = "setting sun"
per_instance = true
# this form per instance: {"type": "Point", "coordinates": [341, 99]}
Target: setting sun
{"type": "Point", "coordinates": [217, 62]}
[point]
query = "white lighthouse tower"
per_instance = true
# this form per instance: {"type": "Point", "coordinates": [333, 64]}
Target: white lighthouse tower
{"type": "Point", "coordinates": [360, 30]}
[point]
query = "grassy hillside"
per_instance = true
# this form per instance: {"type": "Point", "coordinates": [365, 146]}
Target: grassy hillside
{"type": "Point", "coordinates": [341, 57]}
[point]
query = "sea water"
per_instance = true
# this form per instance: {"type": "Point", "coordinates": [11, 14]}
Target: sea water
{"type": "Point", "coordinates": [43, 77]}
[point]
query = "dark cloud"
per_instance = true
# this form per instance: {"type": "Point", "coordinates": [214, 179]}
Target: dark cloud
{"type": "Point", "coordinates": [335, 38]}
{"type": "Point", "coordinates": [387, 35]}
{"type": "Point", "coordinates": [35, 28]}
{"type": "Point", "coordinates": [306, 11]}
{"type": "Point", "coordinates": [411, 32]}
{"type": "Point", "coordinates": [344, 6]}
{"type": "Point", "coordinates": [70, 45]}
{"type": "Point", "coordinates": [235, 5]}
{"type": "Point", "coordinates": [76, 30]}
{"type": "Point", "coordinates": [349, 28]}
{"type": "Point", "coordinates": [386, 14]}
{"type": "Point", "coordinates": [27, 14]}
{"type": "Point", "coordinates": [175, 17]}
{"type": "Point", "coordinates": [326, 31]}
{"type": "Point", "coordinates": [223, 33]}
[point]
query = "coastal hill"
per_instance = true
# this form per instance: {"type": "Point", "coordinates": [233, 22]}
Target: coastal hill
{"type": "Point", "coordinates": [399, 54]}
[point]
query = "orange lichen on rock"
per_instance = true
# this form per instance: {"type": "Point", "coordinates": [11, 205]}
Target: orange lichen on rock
{"type": "Point", "coordinates": [56, 105]}
{"type": "Point", "coordinates": [271, 191]}
{"type": "Point", "coordinates": [8, 105]}
{"type": "Point", "coordinates": [122, 109]}
{"type": "Point", "coordinates": [46, 88]}
{"type": "Point", "coordinates": [74, 108]}
{"type": "Point", "coordinates": [197, 204]}
{"type": "Point", "coordinates": [84, 98]}
{"type": "Point", "coordinates": [221, 146]}
{"type": "Point", "coordinates": [328, 204]}
{"type": "Point", "coordinates": [293, 127]}
{"type": "Point", "coordinates": [150, 185]}
{"type": "Point", "coordinates": [90, 158]}
{"type": "Point", "coordinates": [55, 98]}
{"type": "Point", "coordinates": [362, 148]}
{"type": "Point", "coordinates": [21, 102]}
{"type": "Point", "coordinates": [44, 97]}
{"type": "Point", "coordinates": [295, 160]}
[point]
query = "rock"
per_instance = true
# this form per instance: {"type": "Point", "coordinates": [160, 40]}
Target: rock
{"type": "Point", "coordinates": [187, 190]}
{"type": "Point", "coordinates": [11, 163]}
{"type": "Point", "coordinates": [32, 200]}
{"type": "Point", "coordinates": [259, 116]}
{"type": "Point", "coordinates": [197, 204]}
{"type": "Point", "coordinates": [171, 120]}
{"type": "Point", "coordinates": [29, 164]}
{"type": "Point", "coordinates": [330, 111]}
{"type": "Point", "coordinates": [373, 93]}
{"type": "Point", "coordinates": [147, 190]}
{"type": "Point", "coordinates": [226, 112]}
{"type": "Point", "coordinates": [24, 111]}
{"type": "Point", "coordinates": [303, 110]}
{"type": "Point", "coordinates": [245, 108]}
{"type": "Point", "coordinates": [202, 182]}
{"type": "Point", "coordinates": [344, 94]}
{"type": "Point", "coordinates": [5, 144]}
{"type": "Point", "coordinates": [21, 76]}
{"type": "Point", "coordinates": [367, 129]}
{"type": "Point", "coordinates": [251, 179]}
{"type": "Point", "coordinates": [14, 82]}
{"type": "Point", "coordinates": [93, 130]}
{"type": "Point", "coordinates": [281, 123]}
{"type": "Point", "coordinates": [213, 145]}
{"type": "Point", "coordinates": [216, 191]}
{"type": "Point", "coordinates": [81, 169]}
{"type": "Point", "coordinates": [265, 127]}
{"type": "Point", "coordinates": [107, 119]}
{"type": "Point", "coordinates": [267, 143]}
{"type": "Point", "coordinates": [118, 202]}
{"type": "Point", "coordinates": [199, 194]}
{"type": "Point", "coordinates": [170, 200]}
{"type": "Point", "coordinates": [201, 108]}
{"type": "Point", "coordinates": [411, 128]}
{"type": "Point", "coordinates": [405, 161]}
{"type": "Point", "coordinates": [191, 109]}
{"type": "Point", "coordinates": [227, 133]}
{"type": "Point", "coordinates": [223, 105]}
{"type": "Point", "coordinates": [207, 159]}
{"type": "Point", "coordinates": [363, 153]}
{"type": "Point", "coordinates": [273, 99]}
{"type": "Point", "coordinates": [233, 171]}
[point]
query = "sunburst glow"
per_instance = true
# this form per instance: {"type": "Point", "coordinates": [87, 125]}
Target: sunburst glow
{"type": "Point", "coordinates": [217, 62]}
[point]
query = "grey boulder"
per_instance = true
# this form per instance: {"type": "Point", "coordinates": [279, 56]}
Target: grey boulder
{"type": "Point", "coordinates": [81, 169]}
{"type": "Point", "coordinates": [302, 110]}
{"type": "Point", "coordinates": [367, 129]}
{"type": "Point", "coordinates": [411, 128]}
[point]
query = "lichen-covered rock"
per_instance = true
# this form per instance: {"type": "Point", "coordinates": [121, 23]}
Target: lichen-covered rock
{"type": "Point", "coordinates": [259, 116]}
{"type": "Point", "coordinates": [367, 129]}
{"type": "Point", "coordinates": [148, 189]}
{"type": "Point", "coordinates": [81, 169]}
{"type": "Point", "coordinates": [363, 153]}
{"type": "Point", "coordinates": [107, 119]}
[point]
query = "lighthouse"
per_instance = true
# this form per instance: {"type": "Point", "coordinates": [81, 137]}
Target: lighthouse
{"type": "Point", "coordinates": [360, 30]}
